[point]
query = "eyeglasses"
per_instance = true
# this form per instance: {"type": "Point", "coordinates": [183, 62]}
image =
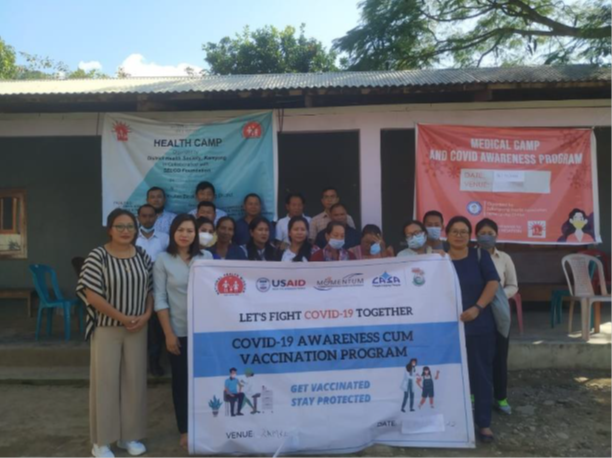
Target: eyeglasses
{"type": "Point", "coordinates": [124, 227]}
{"type": "Point", "coordinates": [460, 233]}
{"type": "Point", "coordinates": [414, 234]}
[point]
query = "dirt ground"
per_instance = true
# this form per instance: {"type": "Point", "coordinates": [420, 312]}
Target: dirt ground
{"type": "Point", "coordinates": [556, 413]}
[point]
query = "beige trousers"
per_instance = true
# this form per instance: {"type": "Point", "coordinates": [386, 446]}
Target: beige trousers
{"type": "Point", "coordinates": [118, 385]}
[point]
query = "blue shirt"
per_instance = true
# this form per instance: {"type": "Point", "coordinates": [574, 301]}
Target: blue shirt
{"type": "Point", "coordinates": [473, 277]}
{"type": "Point", "coordinates": [170, 281]}
{"type": "Point", "coordinates": [232, 385]}
{"type": "Point", "coordinates": [164, 221]}
{"type": "Point", "coordinates": [234, 252]}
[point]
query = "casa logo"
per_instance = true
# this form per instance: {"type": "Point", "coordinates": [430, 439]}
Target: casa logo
{"type": "Point", "coordinates": [386, 280]}
{"type": "Point", "coordinates": [418, 278]}
{"type": "Point", "coordinates": [122, 131]}
{"type": "Point", "coordinates": [252, 130]}
{"type": "Point", "coordinates": [230, 285]}
{"type": "Point", "coordinates": [265, 284]}
{"type": "Point", "coordinates": [348, 281]}
{"type": "Point", "coordinates": [536, 229]}
{"type": "Point", "coordinates": [474, 208]}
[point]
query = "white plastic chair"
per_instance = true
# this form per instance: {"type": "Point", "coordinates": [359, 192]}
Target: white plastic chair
{"type": "Point", "coordinates": [582, 289]}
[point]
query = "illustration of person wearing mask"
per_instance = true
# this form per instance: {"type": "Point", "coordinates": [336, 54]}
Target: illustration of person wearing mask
{"type": "Point", "coordinates": [577, 229]}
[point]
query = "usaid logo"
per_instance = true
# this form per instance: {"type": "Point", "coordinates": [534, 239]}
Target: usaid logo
{"type": "Point", "coordinates": [386, 280]}
{"type": "Point", "coordinates": [264, 285]}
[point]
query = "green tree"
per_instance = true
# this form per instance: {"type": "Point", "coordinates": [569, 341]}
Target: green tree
{"type": "Point", "coordinates": [403, 34]}
{"type": "Point", "coordinates": [268, 50]}
{"type": "Point", "coordinates": [81, 74]}
{"type": "Point", "coordinates": [8, 69]}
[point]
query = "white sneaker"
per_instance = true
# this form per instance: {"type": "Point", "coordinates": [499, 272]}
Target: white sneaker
{"type": "Point", "coordinates": [102, 451]}
{"type": "Point", "coordinates": [134, 448]}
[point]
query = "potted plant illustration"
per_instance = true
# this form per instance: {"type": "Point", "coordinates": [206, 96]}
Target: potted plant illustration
{"type": "Point", "coordinates": [215, 404]}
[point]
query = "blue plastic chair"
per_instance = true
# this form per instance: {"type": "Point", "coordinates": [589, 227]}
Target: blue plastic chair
{"type": "Point", "coordinates": [556, 301]}
{"type": "Point", "coordinates": [40, 272]}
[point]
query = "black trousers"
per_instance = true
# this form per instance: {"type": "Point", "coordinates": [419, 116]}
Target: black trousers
{"type": "Point", "coordinates": [236, 399]}
{"type": "Point", "coordinates": [156, 340]}
{"type": "Point", "coordinates": [180, 385]}
{"type": "Point", "coordinates": [500, 367]}
{"type": "Point", "coordinates": [480, 353]}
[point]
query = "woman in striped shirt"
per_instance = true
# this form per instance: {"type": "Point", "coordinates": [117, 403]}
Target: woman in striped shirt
{"type": "Point", "coordinates": [116, 285]}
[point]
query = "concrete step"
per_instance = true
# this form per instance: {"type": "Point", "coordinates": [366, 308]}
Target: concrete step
{"type": "Point", "coordinates": [70, 364]}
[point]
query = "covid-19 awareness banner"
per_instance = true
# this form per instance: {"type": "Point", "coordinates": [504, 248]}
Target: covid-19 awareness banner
{"type": "Point", "coordinates": [326, 358]}
{"type": "Point", "coordinates": [538, 185]}
{"type": "Point", "coordinates": [237, 156]}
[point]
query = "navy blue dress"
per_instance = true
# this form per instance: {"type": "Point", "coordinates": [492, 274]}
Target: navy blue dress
{"type": "Point", "coordinates": [479, 333]}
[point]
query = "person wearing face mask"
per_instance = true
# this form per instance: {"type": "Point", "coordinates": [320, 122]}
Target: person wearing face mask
{"type": "Point", "coordinates": [153, 242]}
{"type": "Point", "coordinates": [416, 238]}
{"type": "Point", "coordinates": [434, 223]}
{"type": "Point", "coordinates": [372, 245]}
{"type": "Point", "coordinates": [334, 250]}
{"type": "Point", "coordinates": [170, 279]}
{"type": "Point", "coordinates": [339, 214]}
{"type": "Point", "coordinates": [577, 229]}
{"type": "Point", "coordinates": [206, 234]}
{"type": "Point", "coordinates": [486, 236]}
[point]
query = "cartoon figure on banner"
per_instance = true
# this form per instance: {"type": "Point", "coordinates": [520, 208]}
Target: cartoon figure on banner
{"type": "Point", "coordinates": [578, 228]}
{"type": "Point", "coordinates": [233, 394]}
{"type": "Point", "coordinates": [407, 385]}
{"type": "Point", "coordinates": [248, 388]}
{"type": "Point", "coordinates": [426, 383]}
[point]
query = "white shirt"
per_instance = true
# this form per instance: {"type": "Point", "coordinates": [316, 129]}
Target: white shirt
{"type": "Point", "coordinates": [153, 245]}
{"type": "Point", "coordinates": [282, 228]}
{"type": "Point", "coordinates": [247, 386]}
{"type": "Point", "coordinates": [506, 271]}
{"type": "Point", "coordinates": [288, 256]}
{"type": "Point", "coordinates": [163, 222]}
{"type": "Point", "coordinates": [218, 214]}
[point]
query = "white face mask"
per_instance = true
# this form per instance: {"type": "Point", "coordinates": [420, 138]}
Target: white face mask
{"type": "Point", "coordinates": [206, 239]}
{"type": "Point", "coordinates": [336, 244]}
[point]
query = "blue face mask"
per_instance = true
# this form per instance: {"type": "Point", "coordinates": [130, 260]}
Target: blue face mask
{"type": "Point", "coordinates": [147, 231]}
{"type": "Point", "coordinates": [486, 241]}
{"type": "Point", "coordinates": [336, 244]}
{"type": "Point", "coordinates": [416, 241]}
{"type": "Point", "coordinates": [434, 233]}
{"type": "Point", "coordinates": [375, 248]}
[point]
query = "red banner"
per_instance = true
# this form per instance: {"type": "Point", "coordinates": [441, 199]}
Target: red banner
{"type": "Point", "coordinates": [538, 185]}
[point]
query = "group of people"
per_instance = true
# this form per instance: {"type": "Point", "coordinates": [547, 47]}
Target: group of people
{"type": "Point", "coordinates": [139, 279]}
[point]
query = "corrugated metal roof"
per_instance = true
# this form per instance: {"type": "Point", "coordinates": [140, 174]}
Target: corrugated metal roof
{"type": "Point", "coordinates": [379, 79]}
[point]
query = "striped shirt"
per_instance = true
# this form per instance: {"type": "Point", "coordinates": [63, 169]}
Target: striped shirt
{"type": "Point", "coordinates": [123, 283]}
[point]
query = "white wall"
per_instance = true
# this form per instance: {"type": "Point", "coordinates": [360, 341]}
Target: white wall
{"type": "Point", "coordinates": [369, 121]}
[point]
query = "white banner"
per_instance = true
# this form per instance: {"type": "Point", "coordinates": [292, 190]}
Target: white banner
{"type": "Point", "coordinates": [324, 358]}
{"type": "Point", "coordinates": [237, 155]}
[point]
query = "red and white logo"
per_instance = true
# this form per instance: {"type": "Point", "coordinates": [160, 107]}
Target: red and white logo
{"type": "Point", "coordinates": [122, 130]}
{"type": "Point", "coordinates": [536, 229]}
{"type": "Point", "coordinates": [230, 285]}
{"type": "Point", "coordinates": [252, 130]}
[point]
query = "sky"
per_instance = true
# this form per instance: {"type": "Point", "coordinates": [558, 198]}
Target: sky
{"type": "Point", "coordinates": [156, 37]}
